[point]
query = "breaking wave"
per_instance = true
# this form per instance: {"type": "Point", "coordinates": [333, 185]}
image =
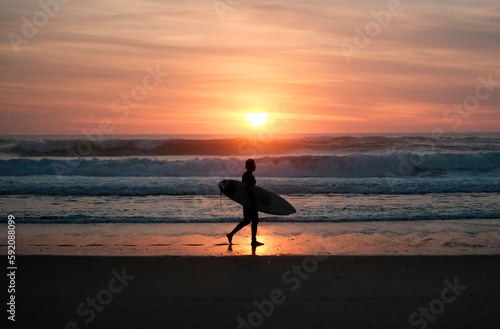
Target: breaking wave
{"type": "Point", "coordinates": [349, 166]}
{"type": "Point", "coordinates": [109, 147]}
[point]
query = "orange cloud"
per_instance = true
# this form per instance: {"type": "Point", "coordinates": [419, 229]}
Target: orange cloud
{"type": "Point", "coordinates": [264, 56]}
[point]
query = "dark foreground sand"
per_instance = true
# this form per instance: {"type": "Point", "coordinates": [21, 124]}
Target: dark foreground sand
{"type": "Point", "coordinates": [261, 291]}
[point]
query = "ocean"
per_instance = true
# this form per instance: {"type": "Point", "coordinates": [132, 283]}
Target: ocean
{"type": "Point", "coordinates": [173, 178]}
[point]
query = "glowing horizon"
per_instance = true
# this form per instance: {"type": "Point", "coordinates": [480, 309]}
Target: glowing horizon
{"type": "Point", "coordinates": [186, 68]}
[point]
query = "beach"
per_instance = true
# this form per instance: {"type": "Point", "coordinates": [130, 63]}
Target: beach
{"type": "Point", "coordinates": [321, 275]}
{"type": "Point", "coordinates": [264, 292]}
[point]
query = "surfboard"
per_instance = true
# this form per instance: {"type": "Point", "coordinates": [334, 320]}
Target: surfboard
{"type": "Point", "coordinates": [265, 201]}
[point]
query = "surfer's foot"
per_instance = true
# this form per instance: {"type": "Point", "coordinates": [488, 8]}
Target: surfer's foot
{"type": "Point", "coordinates": [230, 238]}
{"type": "Point", "coordinates": [256, 243]}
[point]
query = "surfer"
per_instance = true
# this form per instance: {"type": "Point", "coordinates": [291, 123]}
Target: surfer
{"type": "Point", "coordinates": [250, 214]}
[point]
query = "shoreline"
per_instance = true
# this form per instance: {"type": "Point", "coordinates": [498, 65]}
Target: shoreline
{"type": "Point", "coordinates": [448, 237]}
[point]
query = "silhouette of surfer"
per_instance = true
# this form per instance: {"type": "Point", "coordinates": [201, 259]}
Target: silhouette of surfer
{"type": "Point", "coordinates": [250, 214]}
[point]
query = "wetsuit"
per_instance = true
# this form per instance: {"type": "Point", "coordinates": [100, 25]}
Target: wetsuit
{"type": "Point", "coordinates": [250, 214]}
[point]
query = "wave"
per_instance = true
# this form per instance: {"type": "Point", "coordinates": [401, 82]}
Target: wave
{"type": "Point", "coordinates": [420, 143]}
{"type": "Point", "coordinates": [349, 166]}
{"type": "Point", "coordinates": [207, 186]}
{"type": "Point", "coordinates": [85, 219]}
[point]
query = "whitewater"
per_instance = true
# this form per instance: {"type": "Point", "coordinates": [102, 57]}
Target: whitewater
{"type": "Point", "coordinates": [173, 179]}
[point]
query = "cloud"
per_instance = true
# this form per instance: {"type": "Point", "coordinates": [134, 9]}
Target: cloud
{"type": "Point", "coordinates": [265, 53]}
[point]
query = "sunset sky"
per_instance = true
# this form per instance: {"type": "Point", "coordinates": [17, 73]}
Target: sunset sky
{"type": "Point", "coordinates": [174, 67]}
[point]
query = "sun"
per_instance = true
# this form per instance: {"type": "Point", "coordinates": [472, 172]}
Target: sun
{"type": "Point", "coordinates": [257, 119]}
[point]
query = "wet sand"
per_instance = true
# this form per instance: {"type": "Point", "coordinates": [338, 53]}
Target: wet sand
{"type": "Point", "coordinates": [258, 292]}
{"type": "Point", "coordinates": [451, 237]}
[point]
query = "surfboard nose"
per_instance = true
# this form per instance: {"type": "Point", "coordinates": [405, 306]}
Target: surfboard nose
{"type": "Point", "coordinates": [228, 187]}
{"type": "Point", "coordinates": [223, 184]}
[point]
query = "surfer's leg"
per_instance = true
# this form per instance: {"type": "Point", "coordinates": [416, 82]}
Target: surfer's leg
{"type": "Point", "coordinates": [246, 220]}
{"type": "Point", "coordinates": [240, 225]}
{"type": "Point", "coordinates": [255, 223]}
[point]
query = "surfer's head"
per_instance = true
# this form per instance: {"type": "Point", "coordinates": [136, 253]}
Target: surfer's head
{"type": "Point", "coordinates": [250, 165]}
